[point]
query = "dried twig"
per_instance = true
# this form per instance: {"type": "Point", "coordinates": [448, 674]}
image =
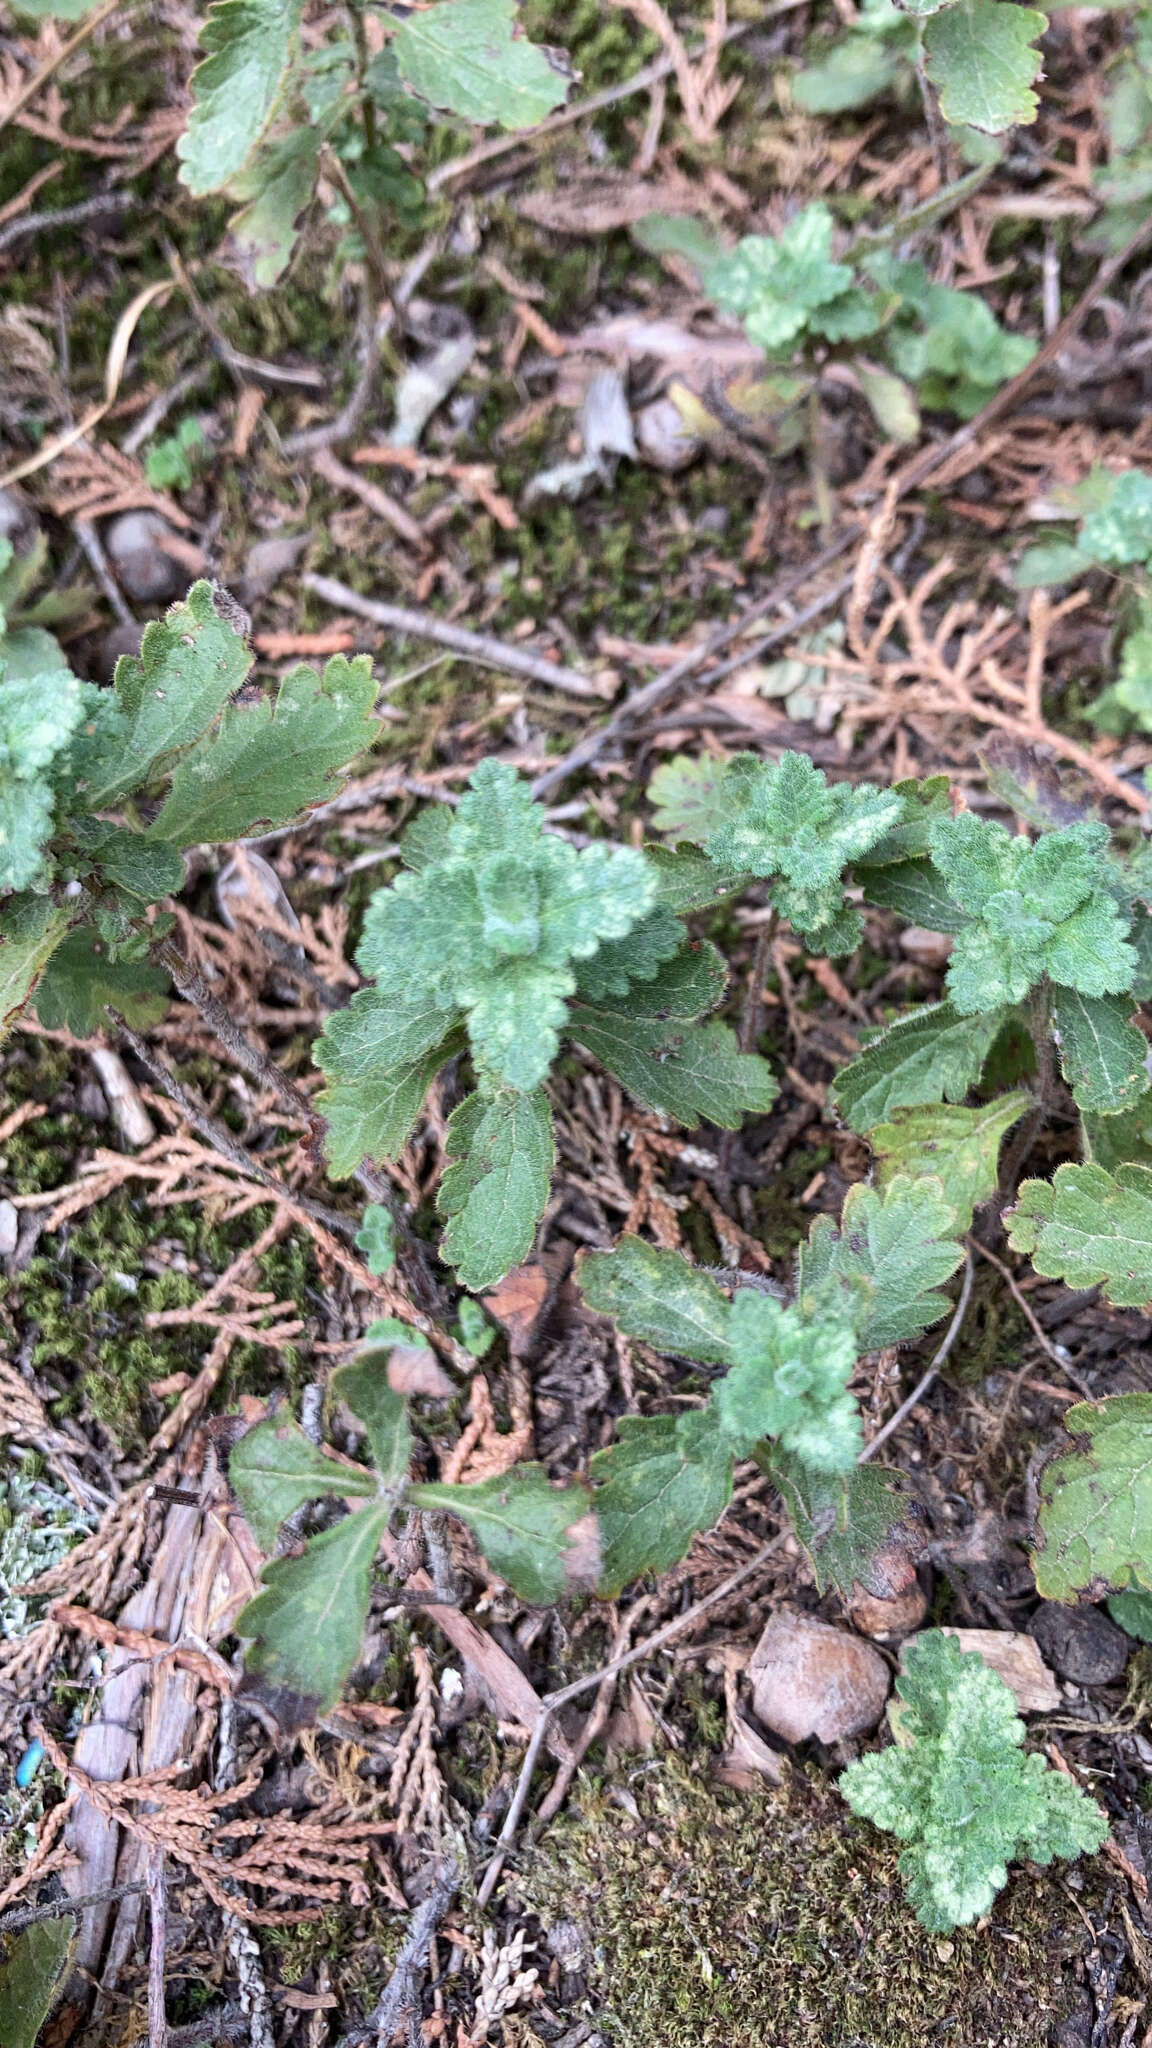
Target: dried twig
{"type": "Point", "coordinates": [925, 1381]}
{"type": "Point", "coordinates": [398, 1991]}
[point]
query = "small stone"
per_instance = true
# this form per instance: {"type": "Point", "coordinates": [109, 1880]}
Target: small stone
{"type": "Point", "coordinates": [1014, 1658]}
{"type": "Point", "coordinates": [887, 1619]}
{"type": "Point", "coordinates": [9, 1228]}
{"type": "Point", "coordinates": [145, 573]}
{"type": "Point", "coordinates": [809, 1679]}
{"type": "Point", "coordinates": [927, 949]}
{"type": "Point", "coordinates": [266, 562]}
{"type": "Point", "coordinates": [663, 439]}
{"type": "Point", "coordinates": [118, 641]}
{"type": "Point", "coordinates": [1081, 1643]}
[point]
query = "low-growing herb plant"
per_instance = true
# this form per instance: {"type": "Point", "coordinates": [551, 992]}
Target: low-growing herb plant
{"type": "Point", "coordinates": [958, 1787]}
{"type": "Point", "coordinates": [1115, 534]}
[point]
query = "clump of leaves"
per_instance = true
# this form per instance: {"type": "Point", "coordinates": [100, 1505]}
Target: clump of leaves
{"type": "Point", "coordinates": [75, 885]}
{"type": "Point", "coordinates": [500, 938]}
{"type": "Point", "coordinates": [308, 1619]}
{"type": "Point", "coordinates": [960, 1790]}
{"type": "Point", "coordinates": [171, 464]}
{"type": "Point", "coordinates": [1115, 534]}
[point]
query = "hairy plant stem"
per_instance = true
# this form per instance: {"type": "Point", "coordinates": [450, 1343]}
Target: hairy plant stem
{"type": "Point", "coordinates": [1040, 1029]}
{"type": "Point", "coordinates": [360, 42]}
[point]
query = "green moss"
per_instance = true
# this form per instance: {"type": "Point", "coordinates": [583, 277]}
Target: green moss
{"type": "Point", "coordinates": [719, 1919]}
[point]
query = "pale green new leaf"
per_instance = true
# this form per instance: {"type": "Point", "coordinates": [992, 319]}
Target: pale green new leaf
{"type": "Point", "coordinates": [659, 1298]}
{"type": "Point", "coordinates": [364, 1386]}
{"type": "Point", "coordinates": [1090, 1228]}
{"type": "Point", "coordinates": [1102, 1054]}
{"type": "Point", "coordinates": [1133, 1613]}
{"type": "Point", "coordinates": [37, 718]}
{"type": "Point", "coordinates": [779, 286]}
{"type": "Point", "coordinates": [979, 55]}
{"type": "Point", "coordinates": [265, 763]}
{"type": "Point", "coordinates": [881, 1264]}
{"type": "Point", "coordinates": [959, 1789]}
{"type": "Point", "coordinates": [190, 663]}
{"type": "Point", "coordinates": [695, 1073]}
{"type": "Point", "coordinates": [80, 981]}
{"type": "Point", "coordinates": [238, 87]}
{"type": "Point", "coordinates": [496, 1193]}
{"type": "Point", "coordinates": [376, 1238]}
{"type": "Point", "coordinates": [960, 1146]}
{"type": "Point", "coordinates": [31, 1970]}
{"type": "Point", "coordinates": [275, 1468]}
{"type": "Point", "coordinates": [1119, 530]}
{"type": "Point", "coordinates": [916, 890]}
{"type": "Point", "coordinates": [537, 1536]}
{"type": "Point", "coordinates": [664, 1478]}
{"type": "Point", "coordinates": [309, 1618]}
{"type": "Point", "coordinates": [31, 929]}
{"type": "Point", "coordinates": [862, 1528]}
{"type": "Point", "coordinates": [789, 1380]}
{"type": "Point", "coordinates": [1095, 1513]}
{"type": "Point", "coordinates": [932, 1055]}
{"type": "Point", "coordinates": [466, 57]}
{"type": "Point", "coordinates": [797, 830]}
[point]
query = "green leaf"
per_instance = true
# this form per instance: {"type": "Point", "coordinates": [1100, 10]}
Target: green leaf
{"type": "Point", "coordinates": [789, 1380]}
{"type": "Point", "coordinates": [364, 1386]}
{"type": "Point", "coordinates": [860, 1528]}
{"type": "Point", "coordinates": [265, 764]}
{"type": "Point", "coordinates": [690, 797]}
{"type": "Point", "coordinates": [854, 72]}
{"type": "Point", "coordinates": [496, 1193]}
{"type": "Point", "coordinates": [880, 1264]}
{"type": "Point", "coordinates": [528, 1529]}
{"type": "Point", "coordinates": [893, 406]}
{"type": "Point", "coordinates": [1102, 1054]}
{"type": "Point", "coordinates": [959, 1789]}
{"type": "Point", "coordinates": [309, 1619]}
{"type": "Point", "coordinates": [686, 879]}
{"type": "Point", "coordinates": [933, 1054]}
{"type": "Point", "coordinates": [664, 1478]}
{"type": "Point", "coordinates": [38, 715]}
{"type": "Point", "coordinates": [682, 235]}
{"type": "Point", "coordinates": [695, 1073]}
{"type": "Point", "coordinates": [80, 981]}
{"type": "Point", "coordinates": [277, 186]}
{"type": "Point", "coordinates": [476, 1332]}
{"type": "Point", "coordinates": [376, 1238]}
{"type": "Point", "coordinates": [190, 663]}
{"type": "Point", "coordinates": [960, 1146]}
{"type": "Point", "coordinates": [1043, 907]}
{"type": "Point", "coordinates": [1050, 563]}
{"type": "Point", "coordinates": [371, 1118]}
{"type": "Point", "coordinates": [129, 860]}
{"type": "Point", "coordinates": [793, 827]}
{"type": "Point", "coordinates": [238, 87]}
{"type": "Point", "coordinates": [1119, 530]}
{"type": "Point", "coordinates": [692, 981]}
{"type": "Point", "coordinates": [1095, 1512]}
{"type": "Point", "coordinates": [979, 55]}
{"type": "Point", "coordinates": [1124, 1140]}
{"type": "Point", "coordinates": [779, 286]}
{"type": "Point", "coordinates": [917, 890]}
{"type": "Point", "coordinates": [659, 1298]}
{"type": "Point", "coordinates": [275, 1468]}
{"type": "Point", "coordinates": [466, 57]}
{"type": "Point", "coordinates": [1090, 1228]}
{"type": "Point", "coordinates": [30, 930]}
{"type": "Point", "coordinates": [1133, 1613]}
{"type": "Point", "coordinates": [31, 1970]}
{"type": "Point", "coordinates": [376, 1033]}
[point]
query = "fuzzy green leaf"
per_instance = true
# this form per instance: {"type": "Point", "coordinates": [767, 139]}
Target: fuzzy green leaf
{"type": "Point", "coordinates": [371, 1118]}
{"type": "Point", "coordinates": [686, 879]}
{"type": "Point", "coordinates": [376, 1033]}
{"type": "Point", "coordinates": [535, 1535]}
{"type": "Point", "coordinates": [880, 1265]}
{"type": "Point", "coordinates": [690, 983]}
{"type": "Point", "coordinates": [1091, 1229]}
{"type": "Point", "coordinates": [36, 721]}
{"type": "Point", "coordinates": [917, 890]}
{"type": "Point", "coordinates": [860, 1528]}
{"type": "Point", "coordinates": [1037, 908]}
{"type": "Point", "coordinates": [1095, 1513]}
{"type": "Point", "coordinates": [960, 1790]}
{"type": "Point", "coordinates": [979, 55]}
{"type": "Point", "coordinates": [689, 796]}
{"type": "Point", "coordinates": [659, 1298]}
{"type": "Point", "coordinates": [1102, 1054]}
{"type": "Point", "coordinates": [1133, 1613]}
{"type": "Point", "coordinates": [960, 1146]}
{"type": "Point", "coordinates": [695, 1073]}
{"type": "Point", "coordinates": [376, 1238]}
{"type": "Point", "coordinates": [781, 286]}
{"type": "Point", "coordinates": [266, 763]}
{"type": "Point", "coordinates": [932, 1055]}
{"type": "Point", "coordinates": [495, 924]}
{"type": "Point", "coordinates": [797, 830]}
{"type": "Point", "coordinates": [129, 861]}
{"type": "Point", "coordinates": [80, 981]}
{"type": "Point", "coordinates": [664, 1478]}
{"type": "Point", "coordinates": [1119, 530]}
{"type": "Point", "coordinates": [190, 663]}
{"type": "Point", "coordinates": [30, 930]}
{"type": "Point", "coordinates": [789, 1380]}
{"type": "Point", "coordinates": [364, 1386]}
{"type": "Point", "coordinates": [949, 344]}
{"type": "Point", "coordinates": [496, 1193]}
{"type": "Point", "coordinates": [308, 1621]}
{"type": "Point", "coordinates": [238, 87]}
{"type": "Point", "coordinates": [621, 966]}
{"type": "Point", "coordinates": [31, 1970]}
{"type": "Point", "coordinates": [277, 187]}
{"type": "Point", "coordinates": [466, 57]}
{"type": "Point", "coordinates": [274, 1468]}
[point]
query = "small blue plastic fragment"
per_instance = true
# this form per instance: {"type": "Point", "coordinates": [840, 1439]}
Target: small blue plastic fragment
{"type": "Point", "coordinates": [29, 1764]}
